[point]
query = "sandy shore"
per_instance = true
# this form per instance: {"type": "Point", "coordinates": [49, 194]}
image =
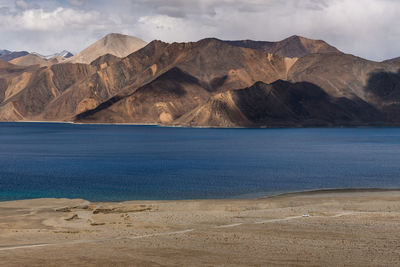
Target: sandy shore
{"type": "Point", "coordinates": [351, 228]}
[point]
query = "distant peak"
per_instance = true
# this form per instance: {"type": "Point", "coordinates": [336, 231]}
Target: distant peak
{"type": "Point", "coordinates": [294, 46]}
{"type": "Point", "coordinates": [112, 36]}
{"type": "Point", "coordinates": [116, 44]}
{"type": "Point", "coordinates": [118, 37]}
{"type": "Point", "coordinates": [62, 54]}
{"type": "Point", "coordinates": [303, 39]}
{"type": "Point", "coordinates": [298, 37]}
{"type": "Point", "coordinates": [211, 41]}
{"type": "Point", "coordinates": [115, 35]}
{"type": "Point", "coordinates": [4, 52]}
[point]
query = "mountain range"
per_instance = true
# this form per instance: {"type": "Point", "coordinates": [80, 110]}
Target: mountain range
{"type": "Point", "coordinates": [296, 82]}
{"type": "Point", "coordinates": [24, 58]}
{"type": "Point", "coordinates": [7, 55]}
{"type": "Point", "coordinates": [64, 54]}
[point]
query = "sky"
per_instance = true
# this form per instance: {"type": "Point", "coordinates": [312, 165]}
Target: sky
{"type": "Point", "coordinates": [366, 28]}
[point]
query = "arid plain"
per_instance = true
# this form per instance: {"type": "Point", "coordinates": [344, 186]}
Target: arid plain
{"type": "Point", "coordinates": [337, 228]}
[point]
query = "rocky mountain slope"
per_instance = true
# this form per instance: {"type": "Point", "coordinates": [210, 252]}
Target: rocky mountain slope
{"type": "Point", "coordinates": [228, 67]}
{"type": "Point", "coordinates": [207, 83]}
{"type": "Point", "coordinates": [281, 104]}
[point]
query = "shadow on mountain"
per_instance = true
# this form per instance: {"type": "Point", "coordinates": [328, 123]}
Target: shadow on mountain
{"type": "Point", "coordinates": [385, 86]}
{"type": "Point", "coordinates": [3, 88]}
{"type": "Point", "coordinates": [302, 104]}
{"type": "Point", "coordinates": [178, 98]}
{"type": "Point", "coordinates": [99, 108]}
{"type": "Point", "coordinates": [383, 89]}
{"type": "Point", "coordinates": [282, 104]}
{"type": "Point", "coordinates": [167, 97]}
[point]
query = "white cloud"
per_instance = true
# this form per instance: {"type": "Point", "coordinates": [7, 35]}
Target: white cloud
{"type": "Point", "coordinates": [59, 19]}
{"type": "Point", "coordinates": [368, 28]}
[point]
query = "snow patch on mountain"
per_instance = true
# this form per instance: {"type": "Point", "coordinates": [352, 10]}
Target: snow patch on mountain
{"type": "Point", "coordinates": [64, 54]}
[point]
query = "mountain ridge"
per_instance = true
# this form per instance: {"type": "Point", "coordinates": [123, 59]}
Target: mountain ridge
{"type": "Point", "coordinates": [7, 55]}
{"type": "Point", "coordinates": [210, 82]}
{"type": "Point", "coordinates": [294, 46]}
{"type": "Point", "coordinates": [64, 54]}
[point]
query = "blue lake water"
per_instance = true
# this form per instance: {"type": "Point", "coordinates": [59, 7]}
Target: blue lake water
{"type": "Point", "coordinates": [116, 163]}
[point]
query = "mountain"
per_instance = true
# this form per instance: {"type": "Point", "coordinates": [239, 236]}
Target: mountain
{"type": "Point", "coordinates": [4, 52]}
{"type": "Point", "coordinates": [115, 44]}
{"type": "Point", "coordinates": [63, 54]}
{"type": "Point", "coordinates": [216, 65]}
{"type": "Point", "coordinates": [13, 80]}
{"type": "Point", "coordinates": [280, 104]}
{"type": "Point", "coordinates": [206, 83]}
{"type": "Point", "coordinates": [8, 70]}
{"type": "Point", "coordinates": [24, 58]}
{"type": "Point", "coordinates": [342, 75]}
{"type": "Point", "coordinates": [294, 46]}
{"type": "Point", "coordinates": [30, 60]}
{"type": "Point", "coordinates": [5, 65]}
{"type": "Point", "coordinates": [393, 60]}
{"type": "Point", "coordinates": [36, 60]}
{"type": "Point", "coordinates": [330, 88]}
{"type": "Point", "coordinates": [33, 92]}
{"type": "Point", "coordinates": [6, 55]}
{"type": "Point", "coordinates": [163, 100]}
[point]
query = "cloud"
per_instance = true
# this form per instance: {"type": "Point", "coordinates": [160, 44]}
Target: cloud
{"type": "Point", "coordinates": [368, 28]}
{"type": "Point", "coordinates": [21, 4]}
{"type": "Point", "coordinates": [57, 20]}
{"type": "Point", "coordinates": [4, 11]}
{"type": "Point", "coordinates": [76, 2]}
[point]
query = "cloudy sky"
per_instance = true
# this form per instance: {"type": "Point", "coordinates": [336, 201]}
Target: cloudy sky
{"type": "Point", "coordinates": [367, 28]}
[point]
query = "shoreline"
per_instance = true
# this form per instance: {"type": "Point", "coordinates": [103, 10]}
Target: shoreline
{"type": "Point", "coordinates": [313, 192]}
{"type": "Point", "coordinates": [327, 191]}
{"type": "Point", "coordinates": [361, 126]}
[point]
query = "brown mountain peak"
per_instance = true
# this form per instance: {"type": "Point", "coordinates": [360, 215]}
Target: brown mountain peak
{"type": "Point", "coordinates": [293, 46]}
{"type": "Point", "coordinates": [116, 44]}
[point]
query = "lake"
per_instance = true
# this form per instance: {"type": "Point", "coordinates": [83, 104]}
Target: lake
{"type": "Point", "coordinates": [117, 163]}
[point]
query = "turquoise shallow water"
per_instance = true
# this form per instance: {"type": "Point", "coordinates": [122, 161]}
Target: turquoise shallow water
{"type": "Point", "coordinates": [116, 163]}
